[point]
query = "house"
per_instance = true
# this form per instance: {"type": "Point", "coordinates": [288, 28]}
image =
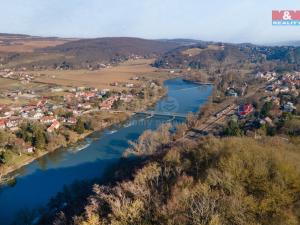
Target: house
{"type": "Point", "coordinates": [72, 120]}
{"type": "Point", "coordinates": [47, 119]}
{"type": "Point", "coordinates": [266, 76]}
{"type": "Point", "coordinates": [104, 91]}
{"type": "Point", "coordinates": [77, 112]}
{"type": "Point", "coordinates": [126, 98]}
{"type": "Point", "coordinates": [231, 92]}
{"type": "Point", "coordinates": [24, 115]}
{"type": "Point", "coordinates": [8, 114]}
{"type": "Point", "coordinates": [89, 95]}
{"type": "Point", "coordinates": [16, 108]}
{"type": "Point", "coordinates": [267, 120]}
{"type": "Point", "coordinates": [54, 126]}
{"type": "Point", "coordinates": [284, 89]}
{"type": "Point", "coordinates": [244, 110]}
{"type": "Point", "coordinates": [68, 97]}
{"type": "Point", "coordinates": [289, 107]}
{"type": "Point", "coordinates": [135, 78]}
{"type": "Point", "coordinates": [12, 122]}
{"type": "Point", "coordinates": [28, 108]}
{"type": "Point", "coordinates": [129, 85]}
{"type": "Point", "coordinates": [37, 115]}
{"type": "Point", "coordinates": [106, 105]}
{"type": "Point", "coordinates": [85, 106]}
{"type": "Point", "coordinates": [29, 148]}
{"type": "Point", "coordinates": [2, 124]}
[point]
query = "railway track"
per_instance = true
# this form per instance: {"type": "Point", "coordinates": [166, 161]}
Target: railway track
{"type": "Point", "coordinates": [214, 120]}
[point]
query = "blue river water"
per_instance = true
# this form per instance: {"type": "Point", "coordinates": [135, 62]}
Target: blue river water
{"type": "Point", "coordinates": [42, 179]}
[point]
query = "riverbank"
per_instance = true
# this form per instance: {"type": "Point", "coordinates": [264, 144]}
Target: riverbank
{"type": "Point", "coordinates": [26, 159]}
{"type": "Point", "coordinates": [48, 176]}
{"type": "Point", "coordinates": [20, 161]}
{"type": "Point", "coordinates": [197, 82]}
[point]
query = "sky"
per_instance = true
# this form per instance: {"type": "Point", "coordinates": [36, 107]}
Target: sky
{"type": "Point", "coordinates": [211, 20]}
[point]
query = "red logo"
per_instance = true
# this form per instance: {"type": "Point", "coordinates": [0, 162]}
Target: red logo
{"type": "Point", "coordinates": [286, 15]}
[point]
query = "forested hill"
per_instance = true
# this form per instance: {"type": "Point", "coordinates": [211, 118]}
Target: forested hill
{"type": "Point", "coordinates": [41, 52]}
{"type": "Point", "coordinates": [107, 48]}
{"type": "Point", "coordinates": [209, 181]}
{"type": "Point", "coordinates": [205, 55]}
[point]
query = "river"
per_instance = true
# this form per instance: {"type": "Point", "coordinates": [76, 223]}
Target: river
{"type": "Point", "coordinates": [42, 179]}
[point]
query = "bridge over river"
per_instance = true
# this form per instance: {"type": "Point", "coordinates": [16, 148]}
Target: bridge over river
{"type": "Point", "coordinates": [168, 114]}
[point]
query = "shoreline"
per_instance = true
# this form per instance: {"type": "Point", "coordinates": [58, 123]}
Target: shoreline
{"type": "Point", "coordinates": [5, 176]}
{"type": "Point", "coordinates": [197, 82]}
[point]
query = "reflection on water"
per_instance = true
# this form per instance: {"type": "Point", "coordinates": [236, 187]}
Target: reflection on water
{"type": "Point", "coordinates": [37, 182]}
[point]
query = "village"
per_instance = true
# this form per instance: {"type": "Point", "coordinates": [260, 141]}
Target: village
{"type": "Point", "coordinates": [264, 109]}
{"type": "Point", "coordinates": [57, 107]}
{"type": "Point", "coordinates": [268, 109]}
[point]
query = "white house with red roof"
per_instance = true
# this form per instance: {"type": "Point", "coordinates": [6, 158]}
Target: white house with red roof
{"type": "Point", "coordinates": [107, 104]}
{"type": "Point", "coordinates": [54, 126]}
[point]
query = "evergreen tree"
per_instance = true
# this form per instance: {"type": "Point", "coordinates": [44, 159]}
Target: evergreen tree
{"type": "Point", "coordinates": [79, 127]}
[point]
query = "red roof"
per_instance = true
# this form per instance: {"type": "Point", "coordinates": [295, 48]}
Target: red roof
{"type": "Point", "coordinates": [245, 109]}
{"type": "Point", "coordinates": [2, 122]}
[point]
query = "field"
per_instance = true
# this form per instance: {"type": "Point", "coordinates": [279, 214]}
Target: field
{"type": "Point", "coordinates": [196, 51]}
{"type": "Point", "coordinates": [26, 44]}
{"type": "Point", "coordinates": [104, 77]}
{"type": "Point", "coordinates": [7, 83]}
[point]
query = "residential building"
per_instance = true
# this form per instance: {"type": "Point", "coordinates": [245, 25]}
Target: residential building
{"type": "Point", "coordinates": [244, 110]}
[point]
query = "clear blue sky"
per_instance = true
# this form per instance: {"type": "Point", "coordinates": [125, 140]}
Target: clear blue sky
{"type": "Point", "coordinates": [217, 20]}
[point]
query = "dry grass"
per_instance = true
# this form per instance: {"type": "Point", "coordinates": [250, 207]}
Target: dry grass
{"type": "Point", "coordinates": [26, 45]}
{"type": "Point", "coordinates": [192, 51]}
{"type": "Point", "coordinates": [196, 51]}
{"type": "Point", "coordinates": [102, 78]}
{"type": "Point", "coordinates": [7, 83]}
{"type": "Point", "coordinates": [215, 47]}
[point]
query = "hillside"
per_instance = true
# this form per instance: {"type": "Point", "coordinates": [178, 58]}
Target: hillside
{"type": "Point", "coordinates": [19, 43]}
{"type": "Point", "coordinates": [207, 55]}
{"type": "Point", "coordinates": [110, 47]}
{"type": "Point", "coordinates": [83, 53]}
{"type": "Point", "coordinates": [210, 181]}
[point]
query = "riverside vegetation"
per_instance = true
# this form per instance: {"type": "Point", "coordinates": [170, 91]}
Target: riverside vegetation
{"type": "Point", "coordinates": [209, 181]}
